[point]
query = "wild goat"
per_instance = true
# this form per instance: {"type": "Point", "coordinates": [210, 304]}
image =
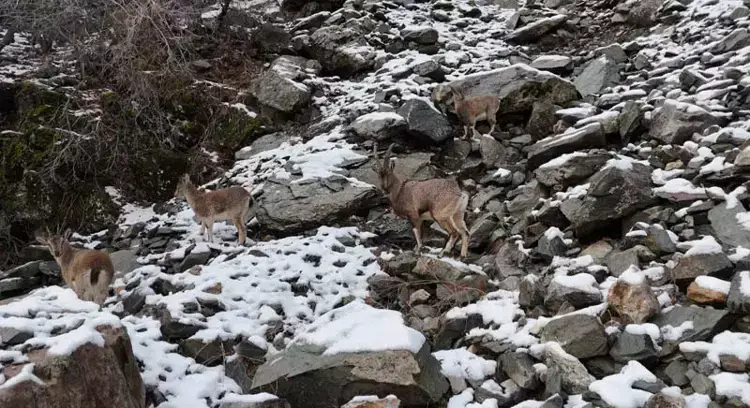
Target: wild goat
{"type": "Point", "coordinates": [473, 109]}
{"type": "Point", "coordinates": [232, 204]}
{"type": "Point", "coordinates": [436, 199]}
{"type": "Point", "coordinates": [89, 273]}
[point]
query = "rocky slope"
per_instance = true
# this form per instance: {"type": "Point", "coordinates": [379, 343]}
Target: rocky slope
{"type": "Point", "coordinates": [610, 237]}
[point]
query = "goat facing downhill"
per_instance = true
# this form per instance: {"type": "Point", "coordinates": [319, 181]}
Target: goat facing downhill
{"type": "Point", "coordinates": [226, 204]}
{"type": "Point", "coordinates": [441, 200]}
{"type": "Point", "coordinates": [88, 272]}
{"type": "Point", "coordinates": [473, 109]}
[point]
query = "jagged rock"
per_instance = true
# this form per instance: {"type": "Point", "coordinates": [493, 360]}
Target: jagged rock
{"type": "Point", "coordinates": [619, 261]}
{"type": "Point", "coordinates": [550, 246]}
{"type": "Point", "coordinates": [632, 299]}
{"type": "Point", "coordinates": [630, 121]}
{"type": "Point", "coordinates": [505, 394]}
{"type": "Point", "coordinates": [542, 120]}
{"type": "Point", "coordinates": [262, 144]}
{"type": "Point", "coordinates": [401, 264]}
{"type": "Point", "coordinates": [518, 87]}
{"type": "Point", "coordinates": [505, 4]}
{"type": "Point", "coordinates": [454, 328]}
{"type": "Point", "coordinates": [10, 336]}
{"type": "Point", "coordinates": [613, 51]}
{"type": "Point", "coordinates": [510, 261]}
{"type": "Point", "coordinates": [428, 267]}
{"type": "Point", "coordinates": [557, 64]}
{"type": "Point", "coordinates": [706, 322]}
{"type": "Point", "coordinates": [68, 381]}
{"type": "Point", "coordinates": [385, 287]}
{"type": "Point", "coordinates": [724, 222]}
{"type": "Point", "coordinates": [340, 50]}
{"type": "Point", "coordinates": [429, 69]}
{"type": "Point", "coordinates": [529, 194]}
{"type": "Point", "coordinates": [738, 300]}
{"type": "Point", "coordinates": [379, 125]}
{"type": "Point", "coordinates": [675, 122]}
{"type": "Point", "coordinates": [589, 136]}
{"type": "Point", "coordinates": [565, 374]}
{"type": "Point", "coordinates": [598, 74]}
{"type": "Point", "coordinates": [743, 158]}
{"type": "Point", "coordinates": [734, 40]}
{"type": "Point", "coordinates": [134, 302]}
{"type": "Point", "coordinates": [534, 31]}
{"type": "Point", "coordinates": [659, 241]}
{"type": "Point", "coordinates": [280, 87]}
{"type": "Point", "coordinates": [173, 330]}
{"type": "Point", "coordinates": [531, 292]}
{"type": "Point", "coordinates": [519, 367]}
{"type": "Point", "coordinates": [481, 230]}
{"type": "Point", "coordinates": [570, 169]}
{"type": "Point", "coordinates": [242, 366]}
{"type": "Point", "coordinates": [579, 291]}
{"type": "Point", "coordinates": [692, 265]}
{"type": "Point", "coordinates": [615, 192]}
{"type": "Point", "coordinates": [291, 207]}
{"type": "Point", "coordinates": [297, 375]}
{"type": "Point", "coordinates": [425, 121]}
{"type": "Point", "coordinates": [192, 259]}
{"type": "Point", "coordinates": [675, 371]}
{"type": "Point", "coordinates": [306, 7]}
{"type": "Point", "coordinates": [421, 35]}
{"type": "Point", "coordinates": [582, 336]}
{"type": "Point", "coordinates": [639, 347]}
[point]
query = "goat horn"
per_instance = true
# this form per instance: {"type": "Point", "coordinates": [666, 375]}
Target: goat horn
{"type": "Point", "coordinates": [47, 229]}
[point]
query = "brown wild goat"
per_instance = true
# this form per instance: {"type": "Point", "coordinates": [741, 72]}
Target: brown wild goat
{"type": "Point", "coordinates": [437, 199]}
{"type": "Point", "coordinates": [473, 109]}
{"type": "Point", "coordinates": [89, 273]}
{"type": "Point", "coordinates": [232, 204]}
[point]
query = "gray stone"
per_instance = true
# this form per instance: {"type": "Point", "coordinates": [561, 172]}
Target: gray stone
{"type": "Point", "coordinates": [676, 373]}
{"type": "Point", "coordinates": [630, 121]}
{"type": "Point", "coordinates": [587, 137]}
{"type": "Point", "coordinates": [706, 322]}
{"type": "Point", "coordinates": [574, 170]}
{"type": "Point", "coordinates": [613, 51]}
{"type": "Point", "coordinates": [272, 403]}
{"type": "Point", "coordinates": [724, 222]}
{"type": "Point", "coordinates": [565, 373]}
{"type": "Point", "coordinates": [379, 125]}
{"type": "Point", "coordinates": [558, 294]}
{"type": "Point", "coordinates": [691, 266]}
{"type": "Point", "coordinates": [598, 74]}
{"type": "Point", "coordinates": [534, 31]}
{"type": "Point", "coordinates": [421, 35]}
{"type": "Point", "coordinates": [312, 380]}
{"type": "Point", "coordinates": [332, 45]}
{"type": "Point", "coordinates": [661, 400]}
{"type": "Point", "coordinates": [659, 241]}
{"type": "Point", "coordinates": [743, 158]}
{"type": "Point", "coordinates": [124, 261]}
{"type": "Point", "coordinates": [506, 395]}
{"type": "Point", "coordinates": [452, 329]}
{"type": "Point", "coordinates": [615, 192]}
{"type": "Point", "coordinates": [553, 63]}
{"type": "Point", "coordinates": [280, 87]}
{"type": "Point", "coordinates": [582, 336]}
{"type": "Point", "coordinates": [675, 122]}
{"type": "Point", "coordinates": [262, 144]}
{"type": "Point", "coordinates": [519, 367]}
{"type": "Point", "coordinates": [639, 347]}
{"type": "Point", "coordinates": [292, 207]}
{"type": "Point", "coordinates": [703, 385]}
{"type": "Point", "coordinates": [209, 354]}
{"type": "Point", "coordinates": [531, 292]}
{"type": "Point", "coordinates": [734, 40]}
{"type": "Point", "coordinates": [192, 259]}
{"type": "Point", "coordinates": [134, 302]}
{"type": "Point", "coordinates": [414, 166]}
{"type": "Point", "coordinates": [550, 247]}
{"type": "Point", "coordinates": [10, 336]}
{"type": "Point", "coordinates": [481, 230]}
{"type": "Point", "coordinates": [510, 261]}
{"type": "Point", "coordinates": [425, 121]}
{"type": "Point", "coordinates": [738, 300]}
{"type": "Point", "coordinates": [542, 120]}
{"type": "Point", "coordinates": [518, 87]}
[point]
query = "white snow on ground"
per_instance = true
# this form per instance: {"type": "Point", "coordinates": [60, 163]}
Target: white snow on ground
{"type": "Point", "coordinates": [460, 365]}
{"type": "Point", "coordinates": [616, 390]}
{"type": "Point", "coordinates": [733, 385]}
{"type": "Point", "coordinates": [723, 344]}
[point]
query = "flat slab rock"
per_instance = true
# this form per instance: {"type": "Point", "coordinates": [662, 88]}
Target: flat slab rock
{"type": "Point", "coordinates": [307, 379]}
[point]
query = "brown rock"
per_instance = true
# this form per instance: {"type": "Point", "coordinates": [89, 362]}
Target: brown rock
{"type": "Point", "coordinates": [633, 303]}
{"type": "Point", "coordinates": [732, 363]}
{"type": "Point", "coordinates": [699, 294]}
{"type": "Point", "coordinates": [665, 401]}
{"type": "Point", "coordinates": [91, 377]}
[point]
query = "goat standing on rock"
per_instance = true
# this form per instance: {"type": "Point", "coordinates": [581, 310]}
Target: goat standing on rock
{"type": "Point", "coordinates": [441, 200]}
{"type": "Point", "coordinates": [88, 272]}
{"type": "Point", "coordinates": [473, 109]}
{"type": "Point", "coordinates": [231, 203]}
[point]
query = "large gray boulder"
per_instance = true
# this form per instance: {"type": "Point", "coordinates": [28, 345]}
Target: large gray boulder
{"type": "Point", "coordinates": [425, 121]}
{"type": "Point", "coordinates": [724, 222]}
{"type": "Point", "coordinates": [570, 169]}
{"type": "Point", "coordinates": [379, 125]}
{"type": "Point", "coordinates": [615, 191]}
{"type": "Point", "coordinates": [683, 323]}
{"type": "Point", "coordinates": [292, 207]}
{"type": "Point", "coordinates": [597, 75]}
{"type": "Point", "coordinates": [414, 166]}
{"type": "Point", "coordinates": [704, 262]}
{"type": "Point", "coordinates": [565, 373]}
{"type": "Point", "coordinates": [341, 50]}
{"type": "Point", "coordinates": [573, 140]}
{"type": "Point", "coordinates": [582, 336]}
{"type": "Point", "coordinates": [281, 87]}
{"type": "Point", "coordinates": [517, 86]}
{"type": "Point", "coordinates": [308, 379]}
{"type": "Point", "coordinates": [675, 122]}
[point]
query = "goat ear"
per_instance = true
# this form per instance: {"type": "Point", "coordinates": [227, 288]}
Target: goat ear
{"type": "Point", "coordinates": [41, 239]}
{"type": "Point", "coordinates": [391, 165]}
{"type": "Point", "coordinates": [68, 234]}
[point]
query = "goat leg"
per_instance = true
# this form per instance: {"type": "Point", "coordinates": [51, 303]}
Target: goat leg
{"type": "Point", "coordinates": [417, 230]}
